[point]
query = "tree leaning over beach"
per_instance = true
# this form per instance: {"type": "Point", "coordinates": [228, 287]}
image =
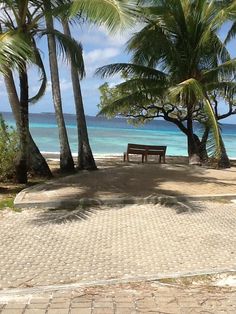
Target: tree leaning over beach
{"type": "Point", "coordinates": [15, 19]}
{"type": "Point", "coordinates": [177, 58]}
{"type": "Point", "coordinates": [32, 15]}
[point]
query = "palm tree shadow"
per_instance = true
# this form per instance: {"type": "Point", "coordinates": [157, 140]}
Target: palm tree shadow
{"type": "Point", "coordinates": [63, 216]}
{"type": "Point", "coordinates": [82, 213]}
{"type": "Point", "coordinates": [127, 182]}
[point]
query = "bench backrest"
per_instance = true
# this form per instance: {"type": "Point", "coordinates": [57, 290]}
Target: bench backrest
{"type": "Point", "coordinates": [145, 147]}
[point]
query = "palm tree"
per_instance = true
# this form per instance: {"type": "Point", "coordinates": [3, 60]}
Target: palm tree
{"type": "Point", "coordinates": [178, 58]}
{"type": "Point", "coordinates": [85, 155]}
{"type": "Point", "coordinates": [20, 16]}
{"type": "Point", "coordinates": [36, 162]}
{"type": "Point", "coordinates": [66, 159]}
{"type": "Point", "coordinates": [23, 25]}
{"type": "Point", "coordinates": [112, 14]}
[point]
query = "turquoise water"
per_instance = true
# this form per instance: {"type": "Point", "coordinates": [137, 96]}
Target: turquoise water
{"type": "Point", "coordinates": [112, 136]}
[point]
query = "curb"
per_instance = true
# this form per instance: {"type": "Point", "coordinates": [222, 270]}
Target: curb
{"type": "Point", "coordinates": [7, 292]}
{"type": "Point", "coordinates": [129, 200]}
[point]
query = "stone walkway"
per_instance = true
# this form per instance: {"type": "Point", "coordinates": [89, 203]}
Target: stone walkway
{"type": "Point", "coordinates": [134, 298]}
{"type": "Point", "coordinates": [96, 245]}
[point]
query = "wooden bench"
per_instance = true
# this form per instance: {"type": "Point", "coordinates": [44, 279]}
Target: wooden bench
{"type": "Point", "coordinates": [145, 150]}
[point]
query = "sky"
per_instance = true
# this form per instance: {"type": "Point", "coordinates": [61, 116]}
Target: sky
{"type": "Point", "coordinates": [99, 48]}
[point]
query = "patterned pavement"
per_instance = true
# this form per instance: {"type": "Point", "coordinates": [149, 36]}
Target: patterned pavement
{"type": "Point", "coordinates": [39, 248]}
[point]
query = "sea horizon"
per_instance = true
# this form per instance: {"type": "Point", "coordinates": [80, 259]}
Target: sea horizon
{"type": "Point", "coordinates": [110, 136]}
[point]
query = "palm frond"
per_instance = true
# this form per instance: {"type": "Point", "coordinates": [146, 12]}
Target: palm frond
{"type": "Point", "coordinates": [129, 69]}
{"type": "Point", "coordinates": [129, 103]}
{"type": "Point", "coordinates": [225, 70]}
{"type": "Point", "coordinates": [43, 76]}
{"type": "Point", "coordinates": [69, 49]}
{"type": "Point", "coordinates": [231, 33]}
{"type": "Point", "coordinates": [184, 92]}
{"type": "Point", "coordinates": [111, 13]}
{"type": "Point", "coordinates": [14, 50]}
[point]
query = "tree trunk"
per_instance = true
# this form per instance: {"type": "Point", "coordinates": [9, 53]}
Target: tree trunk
{"type": "Point", "coordinates": [223, 161]}
{"type": "Point", "coordinates": [193, 147]}
{"type": "Point", "coordinates": [66, 160]}
{"type": "Point", "coordinates": [37, 163]}
{"type": "Point", "coordinates": [203, 147]}
{"type": "Point", "coordinates": [85, 155]}
{"type": "Point", "coordinates": [22, 158]}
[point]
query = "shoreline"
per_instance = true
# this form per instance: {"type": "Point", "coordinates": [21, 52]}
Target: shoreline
{"type": "Point", "coordinates": [56, 156]}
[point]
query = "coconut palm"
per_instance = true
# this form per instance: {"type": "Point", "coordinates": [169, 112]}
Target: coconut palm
{"type": "Point", "coordinates": [66, 159]}
{"type": "Point", "coordinates": [113, 14]}
{"type": "Point", "coordinates": [85, 155]}
{"type": "Point", "coordinates": [32, 28]}
{"type": "Point", "coordinates": [178, 58]}
{"type": "Point", "coordinates": [17, 19]}
{"type": "Point", "coordinates": [20, 17]}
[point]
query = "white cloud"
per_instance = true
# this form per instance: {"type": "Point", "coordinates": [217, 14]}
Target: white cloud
{"type": "Point", "coordinates": [99, 36]}
{"type": "Point", "coordinates": [100, 55]}
{"type": "Point", "coordinates": [64, 84]}
{"type": "Point", "coordinates": [2, 82]}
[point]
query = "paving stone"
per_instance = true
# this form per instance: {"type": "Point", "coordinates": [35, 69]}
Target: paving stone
{"type": "Point", "coordinates": [14, 306]}
{"type": "Point", "coordinates": [58, 311]}
{"type": "Point", "coordinates": [38, 306]}
{"type": "Point", "coordinates": [133, 241]}
{"type": "Point", "coordinates": [64, 305]}
{"type": "Point", "coordinates": [103, 304]}
{"type": "Point", "coordinates": [125, 311]}
{"type": "Point", "coordinates": [14, 311]}
{"type": "Point", "coordinates": [125, 305]}
{"type": "Point", "coordinates": [34, 311]}
{"type": "Point", "coordinates": [81, 311]}
{"type": "Point", "coordinates": [81, 305]}
{"type": "Point", "coordinates": [103, 310]}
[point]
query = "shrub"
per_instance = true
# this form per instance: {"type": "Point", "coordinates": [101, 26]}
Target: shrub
{"type": "Point", "coordinates": [9, 146]}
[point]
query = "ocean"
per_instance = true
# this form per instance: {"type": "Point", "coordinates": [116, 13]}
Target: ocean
{"type": "Point", "coordinates": [110, 137]}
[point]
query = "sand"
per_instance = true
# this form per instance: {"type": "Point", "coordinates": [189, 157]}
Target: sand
{"type": "Point", "coordinates": [175, 177]}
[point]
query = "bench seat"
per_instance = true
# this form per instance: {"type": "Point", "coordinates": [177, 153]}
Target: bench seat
{"type": "Point", "coordinates": [145, 150]}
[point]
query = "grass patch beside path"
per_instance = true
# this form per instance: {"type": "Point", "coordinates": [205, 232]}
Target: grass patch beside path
{"type": "Point", "coordinates": [8, 192]}
{"type": "Point", "coordinates": [7, 203]}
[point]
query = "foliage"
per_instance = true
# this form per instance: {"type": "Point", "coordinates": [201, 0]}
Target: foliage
{"type": "Point", "coordinates": [9, 146]}
{"type": "Point", "coordinates": [7, 203]}
{"type": "Point", "coordinates": [178, 60]}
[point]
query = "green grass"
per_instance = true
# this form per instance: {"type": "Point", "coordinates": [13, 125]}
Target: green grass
{"type": "Point", "coordinates": [7, 203]}
{"type": "Point", "coordinates": [189, 280]}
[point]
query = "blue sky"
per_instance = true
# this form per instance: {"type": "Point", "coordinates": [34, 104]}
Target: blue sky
{"type": "Point", "coordinates": [99, 48]}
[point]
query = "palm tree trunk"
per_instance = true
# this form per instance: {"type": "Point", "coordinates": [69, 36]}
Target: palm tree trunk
{"type": "Point", "coordinates": [66, 160]}
{"type": "Point", "coordinates": [37, 163]}
{"type": "Point", "coordinates": [223, 161]}
{"type": "Point", "coordinates": [85, 155]}
{"type": "Point", "coordinates": [193, 148]}
{"type": "Point", "coordinates": [22, 158]}
{"type": "Point", "coordinates": [203, 145]}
